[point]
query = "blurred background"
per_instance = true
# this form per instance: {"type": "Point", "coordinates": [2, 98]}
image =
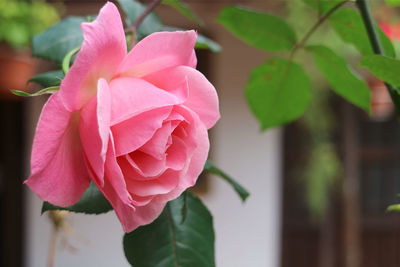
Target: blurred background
{"type": "Point", "coordinates": [320, 187]}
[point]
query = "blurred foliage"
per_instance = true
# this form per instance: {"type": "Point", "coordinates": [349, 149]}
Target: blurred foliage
{"type": "Point", "coordinates": [393, 2]}
{"type": "Point", "coordinates": [323, 166]}
{"type": "Point", "coordinates": [20, 20]}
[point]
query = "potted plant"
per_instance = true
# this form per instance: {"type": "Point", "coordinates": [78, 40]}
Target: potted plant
{"type": "Point", "coordinates": [19, 21]}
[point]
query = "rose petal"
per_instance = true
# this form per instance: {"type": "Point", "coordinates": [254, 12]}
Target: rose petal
{"type": "Point", "coordinates": [195, 161]}
{"type": "Point", "coordinates": [131, 96]}
{"type": "Point", "coordinates": [114, 189]}
{"type": "Point", "coordinates": [159, 51]}
{"type": "Point", "coordinates": [141, 201]}
{"type": "Point", "coordinates": [94, 128]}
{"type": "Point", "coordinates": [176, 154]}
{"type": "Point", "coordinates": [102, 51]}
{"type": "Point", "coordinates": [131, 171]}
{"type": "Point", "coordinates": [59, 173]}
{"type": "Point", "coordinates": [157, 145]}
{"type": "Point", "coordinates": [146, 214]}
{"type": "Point", "coordinates": [202, 97]}
{"type": "Point", "coordinates": [145, 164]}
{"type": "Point", "coordinates": [175, 116]}
{"type": "Point", "coordinates": [133, 133]}
{"type": "Point", "coordinates": [164, 184]}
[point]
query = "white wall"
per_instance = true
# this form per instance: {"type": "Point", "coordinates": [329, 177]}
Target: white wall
{"type": "Point", "coordinates": [246, 234]}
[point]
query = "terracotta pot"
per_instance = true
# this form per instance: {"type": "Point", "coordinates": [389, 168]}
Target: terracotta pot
{"type": "Point", "coordinates": [16, 68]}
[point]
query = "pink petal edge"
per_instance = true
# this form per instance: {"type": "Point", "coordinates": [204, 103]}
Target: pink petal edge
{"type": "Point", "coordinates": [102, 51]}
{"type": "Point", "coordinates": [57, 150]}
{"type": "Point", "coordinates": [94, 128]}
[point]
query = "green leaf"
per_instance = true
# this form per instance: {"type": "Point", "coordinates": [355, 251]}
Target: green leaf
{"type": "Point", "coordinates": [242, 192]}
{"type": "Point", "coordinates": [349, 25]}
{"type": "Point", "coordinates": [57, 41]}
{"type": "Point", "coordinates": [202, 42]}
{"type": "Point", "coordinates": [278, 92]}
{"type": "Point", "coordinates": [394, 207]}
{"type": "Point", "coordinates": [48, 79]}
{"type": "Point", "coordinates": [167, 242]}
{"type": "Point", "coordinates": [183, 9]}
{"type": "Point", "coordinates": [133, 9]}
{"type": "Point", "coordinates": [184, 208]}
{"type": "Point", "coordinates": [393, 2]}
{"type": "Point", "coordinates": [67, 59]}
{"type": "Point", "coordinates": [385, 68]}
{"type": "Point", "coordinates": [206, 43]}
{"type": "Point", "coordinates": [322, 6]}
{"type": "Point", "coordinates": [340, 77]}
{"type": "Point", "coordinates": [92, 202]}
{"type": "Point", "coordinates": [48, 90]}
{"type": "Point", "coordinates": [262, 30]}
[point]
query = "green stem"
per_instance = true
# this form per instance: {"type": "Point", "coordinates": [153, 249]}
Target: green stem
{"type": "Point", "coordinates": [365, 12]}
{"type": "Point", "coordinates": [368, 20]}
{"type": "Point", "coordinates": [310, 32]}
{"type": "Point", "coordinates": [307, 36]}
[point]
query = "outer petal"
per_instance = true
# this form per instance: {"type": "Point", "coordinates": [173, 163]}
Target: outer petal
{"type": "Point", "coordinates": [146, 214]}
{"type": "Point", "coordinates": [202, 97]}
{"type": "Point", "coordinates": [59, 173]}
{"type": "Point", "coordinates": [94, 128]}
{"type": "Point", "coordinates": [159, 51]}
{"type": "Point", "coordinates": [102, 51]}
{"type": "Point", "coordinates": [132, 96]}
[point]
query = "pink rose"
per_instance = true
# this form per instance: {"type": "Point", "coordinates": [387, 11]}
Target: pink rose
{"type": "Point", "coordinates": [135, 124]}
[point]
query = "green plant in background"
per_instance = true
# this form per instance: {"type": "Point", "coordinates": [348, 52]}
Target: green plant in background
{"type": "Point", "coordinates": [393, 2]}
{"type": "Point", "coordinates": [282, 90]}
{"type": "Point", "coordinates": [20, 21]}
{"type": "Point", "coordinates": [323, 167]}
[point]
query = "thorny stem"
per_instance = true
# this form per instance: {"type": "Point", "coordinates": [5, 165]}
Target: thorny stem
{"type": "Point", "coordinates": [140, 19]}
{"type": "Point", "coordinates": [367, 18]}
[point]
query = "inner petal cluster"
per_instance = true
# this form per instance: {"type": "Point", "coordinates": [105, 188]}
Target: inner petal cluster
{"type": "Point", "coordinates": [154, 164]}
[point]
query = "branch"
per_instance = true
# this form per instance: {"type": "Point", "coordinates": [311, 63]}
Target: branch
{"type": "Point", "coordinates": [368, 20]}
{"type": "Point", "coordinates": [146, 12]}
{"type": "Point", "coordinates": [319, 22]}
{"type": "Point", "coordinates": [140, 19]}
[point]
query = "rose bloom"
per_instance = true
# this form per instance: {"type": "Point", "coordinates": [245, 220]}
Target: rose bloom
{"type": "Point", "coordinates": [133, 123]}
